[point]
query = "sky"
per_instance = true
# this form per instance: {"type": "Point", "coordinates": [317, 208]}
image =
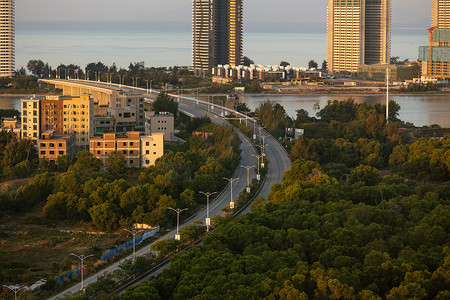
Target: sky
{"type": "Point", "coordinates": [404, 12]}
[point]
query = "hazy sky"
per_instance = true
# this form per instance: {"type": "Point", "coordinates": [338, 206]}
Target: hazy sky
{"type": "Point", "coordinates": [407, 12]}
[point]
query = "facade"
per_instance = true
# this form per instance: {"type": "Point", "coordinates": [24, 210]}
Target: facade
{"type": "Point", "coordinates": [130, 102]}
{"type": "Point", "coordinates": [152, 148]}
{"type": "Point", "coordinates": [104, 124]}
{"type": "Point", "coordinates": [163, 122]}
{"type": "Point", "coordinates": [217, 29]}
{"type": "Point", "coordinates": [138, 151]}
{"type": "Point", "coordinates": [440, 14]}
{"type": "Point", "coordinates": [52, 145]}
{"type": "Point", "coordinates": [359, 32]}
{"type": "Point", "coordinates": [396, 72]}
{"type": "Point", "coordinates": [125, 119]}
{"type": "Point", "coordinates": [7, 38]}
{"type": "Point", "coordinates": [52, 114]}
{"type": "Point", "coordinates": [31, 112]}
{"type": "Point", "coordinates": [78, 113]}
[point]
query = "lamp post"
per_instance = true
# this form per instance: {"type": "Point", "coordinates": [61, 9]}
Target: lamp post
{"type": "Point", "coordinates": [178, 211]}
{"type": "Point", "coordinates": [262, 154]}
{"type": "Point", "coordinates": [134, 232]}
{"type": "Point", "coordinates": [146, 81]}
{"type": "Point", "coordinates": [82, 257]}
{"type": "Point", "coordinates": [248, 168]}
{"type": "Point", "coordinates": [15, 289]}
{"type": "Point", "coordinates": [208, 220]}
{"type": "Point", "coordinates": [387, 93]}
{"type": "Point", "coordinates": [231, 180]}
{"type": "Point", "coordinates": [258, 157]}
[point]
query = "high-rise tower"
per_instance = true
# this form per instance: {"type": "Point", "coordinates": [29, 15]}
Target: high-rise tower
{"type": "Point", "coordinates": [217, 29]}
{"type": "Point", "coordinates": [440, 14]}
{"type": "Point", "coordinates": [359, 32]}
{"type": "Point", "coordinates": [7, 21]}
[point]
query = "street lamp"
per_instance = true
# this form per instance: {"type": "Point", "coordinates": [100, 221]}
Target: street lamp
{"type": "Point", "coordinates": [231, 180]}
{"type": "Point", "coordinates": [82, 258]}
{"type": "Point", "coordinates": [258, 157]}
{"type": "Point", "coordinates": [15, 289]}
{"type": "Point", "coordinates": [208, 220]}
{"type": "Point", "coordinates": [248, 168]}
{"type": "Point", "coordinates": [134, 232]}
{"type": "Point", "coordinates": [178, 211]}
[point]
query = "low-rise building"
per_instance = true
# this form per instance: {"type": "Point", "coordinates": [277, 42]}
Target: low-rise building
{"type": "Point", "coordinates": [396, 72]}
{"type": "Point", "coordinates": [134, 102]}
{"type": "Point", "coordinates": [78, 118]}
{"type": "Point", "coordinates": [139, 151]}
{"type": "Point", "coordinates": [163, 122]}
{"type": "Point", "coordinates": [125, 119]}
{"type": "Point", "coordinates": [12, 124]}
{"type": "Point", "coordinates": [52, 145]}
{"type": "Point", "coordinates": [31, 111]}
{"type": "Point", "coordinates": [152, 148]}
{"type": "Point", "coordinates": [104, 124]}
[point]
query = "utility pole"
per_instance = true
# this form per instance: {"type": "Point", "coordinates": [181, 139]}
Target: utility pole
{"type": "Point", "coordinates": [231, 180]}
{"type": "Point", "coordinates": [387, 94]}
{"type": "Point", "coordinates": [248, 168]}
{"type": "Point", "coordinates": [258, 157]}
{"type": "Point", "coordinates": [15, 289]}
{"type": "Point", "coordinates": [134, 232]}
{"type": "Point", "coordinates": [178, 211]}
{"type": "Point", "coordinates": [82, 258]}
{"type": "Point", "coordinates": [208, 220]}
{"type": "Point", "coordinates": [262, 154]}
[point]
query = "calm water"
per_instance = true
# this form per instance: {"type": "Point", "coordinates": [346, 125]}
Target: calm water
{"type": "Point", "coordinates": [419, 110]}
{"type": "Point", "coordinates": [170, 44]}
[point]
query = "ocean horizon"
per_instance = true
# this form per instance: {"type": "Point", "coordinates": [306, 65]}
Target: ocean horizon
{"type": "Point", "coordinates": [170, 43]}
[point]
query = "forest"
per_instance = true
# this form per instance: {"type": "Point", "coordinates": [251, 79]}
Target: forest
{"type": "Point", "coordinates": [358, 216]}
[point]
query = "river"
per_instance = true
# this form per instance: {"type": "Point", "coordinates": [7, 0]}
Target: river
{"type": "Point", "coordinates": [417, 109]}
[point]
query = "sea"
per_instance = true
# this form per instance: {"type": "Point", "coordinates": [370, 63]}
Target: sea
{"type": "Point", "coordinates": [170, 44]}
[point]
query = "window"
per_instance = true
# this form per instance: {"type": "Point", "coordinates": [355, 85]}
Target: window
{"type": "Point", "coordinates": [52, 145]}
{"type": "Point", "coordinates": [34, 127]}
{"type": "Point", "coordinates": [24, 105]}
{"type": "Point", "coordinates": [24, 120]}
{"type": "Point", "coordinates": [124, 151]}
{"type": "Point", "coordinates": [120, 114]}
{"type": "Point", "coordinates": [52, 152]}
{"type": "Point", "coordinates": [131, 152]}
{"type": "Point", "coordinates": [98, 143]}
{"type": "Point", "coordinates": [147, 161]}
{"type": "Point", "coordinates": [154, 153]}
{"type": "Point", "coordinates": [24, 134]}
{"type": "Point", "coordinates": [60, 145]}
{"type": "Point", "coordinates": [154, 145]}
{"type": "Point", "coordinates": [42, 145]}
{"type": "Point", "coordinates": [34, 113]}
{"type": "Point", "coordinates": [61, 152]}
{"type": "Point", "coordinates": [131, 143]}
{"type": "Point", "coordinates": [24, 112]}
{"type": "Point", "coordinates": [34, 120]}
{"type": "Point", "coordinates": [98, 152]}
{"type": "Point", "coordinates": [24, 127]}
{"type": "Point", "coordinates": [131, 162]}
{"type": "Point", "coordinates": [35, 105]}
{"type": "Point", "coordinates": [124, 143]}
{"type": "Point", "coordinates": [43, 152]}
{"type": "Point", "coordinates": [147, 151]}
{"type": "Point", "coordinates": [147, 143]}
{"type": "Point", "coordinates": [83, 139]}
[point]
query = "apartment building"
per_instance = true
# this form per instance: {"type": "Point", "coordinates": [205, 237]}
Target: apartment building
{"type": "Point", "coordinates": [31, 115]}
{"type": "Point", "coordinates": [53, 144]}
{"type": "Point", "coordinates": [217, 27]}
{"type": "Point", "coordinates": [139, 151]}
{"type": "Point", "coordinates": [78, 118]}
{"type": "Point", "coordinates": [12, 124]}
{"type": "Point", "coordinates": [152, 148]}
{"type": "Point", "coordinates": [7, 38]}
{"type": "Point", "coordinates": [131, 102]}
{"type": "Point", "coordinates": [163, 122]}
{"type": "Point", "coordinates": [358, 32]}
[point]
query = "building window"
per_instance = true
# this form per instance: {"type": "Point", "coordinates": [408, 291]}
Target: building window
{"type": "Point", "coordinates": [61, 152]}
{"type": "Point", "coordinates": [124, 152]}
{"type": "Point", "coordinates": [24, 112]}
{"type": "Point", "coordinates": [98, 143]}
{"type": "Point", "coordinates": [34, 120]}
{"type": "Point", "coordinates": [24, 120]}
{"type": "Point", "coordinates": [98, 152]}
{"type": "Point", "coordinates": [24, 127]}
{"type": "Point", "coordinates": [154, 145]}
{"type": "Point", "coordinates": [24, 105]}
{"type": "Point", "coordinates": [52, 145]}
{"type": "Point", "coordinates": [154, 153]}
{"type": "Point", "coordinates": [124, 144]}
{"type": "Point", "coordinates": [35, 105]}
{"type": "Point", "coordinates": [42, 152]}
{"type": "Point", "coordinates": [147, 162]}
{"type": "Point", "coordinates": [147, 143]}
{"type": "Point", "coordinates": [131, 161]}
{"type": "Point", "coordinates": [52, 152]}
{"type": "Point", "coordinates": [131, 143]}
{"type": "Point", "coordinates": [147, 151]}
{"type": "Point", "coordinates": [42, 145]}
{"type": "Point", "coordinates": [60, 145]}
{"type": "Point", "coordinates": [34, 113]}
{"type": "Point", "coordinates": [131, 152]}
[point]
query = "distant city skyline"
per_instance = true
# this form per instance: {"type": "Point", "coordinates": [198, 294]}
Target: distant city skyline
{"type": "Point", "coordinates": [407, 12]}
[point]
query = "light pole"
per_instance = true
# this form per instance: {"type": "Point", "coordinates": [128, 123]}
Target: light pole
{"type": "Point", "coordinates": [248, 168]}
{"type": "Point", "coordinates": [82, 258]}
{"type": "Point", "coordinates": [387, 93]}
{"type": "Point", "coordinates": [15, 289]}
{"type": "Point", "coordinates": [258, 176]}
{"type": "Point", "coordinates": [262, 154]}
{"type": "Point", "coordinates": [134, 232]}
{"type": "Point", "coordinates": [178, 211]}
{"type": "Point", "coordinates": [231, 180]}
{"type": "Point", "coordinates": [208, 220]}
{"type": "Point", "coordinates": [146, 81]}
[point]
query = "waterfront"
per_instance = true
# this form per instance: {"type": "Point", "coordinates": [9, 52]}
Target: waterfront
{"type": "Point", "coordinates": [417, 109]}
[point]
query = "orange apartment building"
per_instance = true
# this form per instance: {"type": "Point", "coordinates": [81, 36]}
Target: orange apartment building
{"type": "Point", "coordinates": [53, 144]}
{"type": "Point", "coordinates": [52, 114]}
{"type": "Point", "coordinates": [128, 145]}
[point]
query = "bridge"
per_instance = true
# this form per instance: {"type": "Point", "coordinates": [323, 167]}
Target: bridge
{"type": "Point", "coordinates": [275, 153]}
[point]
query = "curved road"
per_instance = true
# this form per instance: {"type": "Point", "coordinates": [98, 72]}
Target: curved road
{"type": "Point", "coordinates": [279, 163]}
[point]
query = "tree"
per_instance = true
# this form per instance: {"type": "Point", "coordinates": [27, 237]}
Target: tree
{"type": "Point", "coordinates": [302, 116]}
{"type": "Point", "coordinates": [284, 63]}
{"type": "Point", "coordinates": [367, 174]}
{"type": "Point", "coordinates": [86, 163]}
{"type": "Point", "coordinates": [36, 67]}
{"type": "Point", "coordinates": [165, 103]}
{"type": "Point", "coordinates": [241, 107]}
{"type": "Point", "coordinates": [324, 65]}
{"type": "Point", "coordinates": [312, 64]}
{"type": "Point", "coordinates": [116, 164]}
